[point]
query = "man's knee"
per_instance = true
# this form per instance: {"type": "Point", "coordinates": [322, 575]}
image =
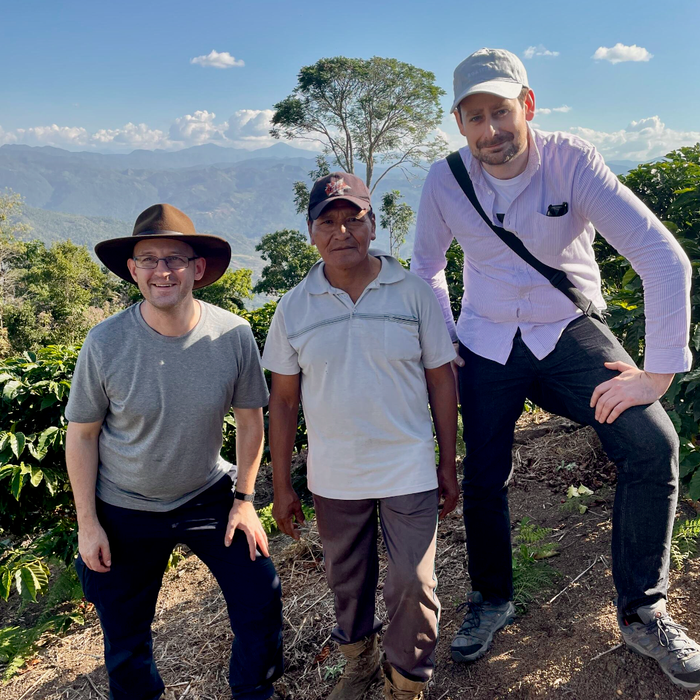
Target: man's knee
{"type": "Point", "coordinates": [649, 442]}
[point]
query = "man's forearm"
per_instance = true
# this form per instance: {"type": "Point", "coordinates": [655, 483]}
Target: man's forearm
{"type": "Point", "coordinates": [443, 406]}
{"type": "Point", "coordinates": [250, 435]}
{"type": "Point", "coordinates": [82, 457]}
{"type": "Point", "coordinates": [283, 430]}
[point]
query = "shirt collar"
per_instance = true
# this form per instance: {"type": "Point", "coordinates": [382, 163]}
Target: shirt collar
{"type": "Point", "coordinates": [391, 271]}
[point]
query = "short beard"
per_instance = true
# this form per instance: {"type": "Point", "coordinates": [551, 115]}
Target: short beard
{"type": "Point", "coordinates": [508, 153]}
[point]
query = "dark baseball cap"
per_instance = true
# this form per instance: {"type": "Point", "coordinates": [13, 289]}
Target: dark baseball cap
{"type": "Point", "coordinates": [343, 186]}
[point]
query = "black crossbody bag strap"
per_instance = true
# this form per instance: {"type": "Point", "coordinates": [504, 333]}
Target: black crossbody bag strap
{"type": "Point", "coordinates": [556, 277]}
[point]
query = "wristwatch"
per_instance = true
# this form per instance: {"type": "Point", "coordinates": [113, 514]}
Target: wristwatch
{"type": "Point", "coordinates": [248, 497]}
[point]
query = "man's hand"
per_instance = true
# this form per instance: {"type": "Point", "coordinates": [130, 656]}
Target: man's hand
{"type": "Point", "coordinates": [286, 509]}
{"type": "Point", "coordinates": [243, 517]}
{"type": "Point", "coordinates": [93, 546]}
{"type": "Point", "coordinates": [456, 364]}
{"type": "Point", "coordinates": [632, 387]}
{"type": "Point", "coordinates": [448, 489]}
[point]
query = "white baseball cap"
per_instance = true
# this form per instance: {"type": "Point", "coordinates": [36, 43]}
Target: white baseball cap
{"type": "Point", "coordinates": [496, 71]}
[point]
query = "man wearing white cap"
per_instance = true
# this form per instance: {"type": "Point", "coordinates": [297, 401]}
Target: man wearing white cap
{"type": "Point", "coordinates": [524, 205]}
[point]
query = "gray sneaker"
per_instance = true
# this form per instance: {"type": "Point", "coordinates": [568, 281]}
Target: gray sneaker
{"type": "Point", "coordinates": [659, 637]}
{"type": "Point", "coordinates": [480, 623]}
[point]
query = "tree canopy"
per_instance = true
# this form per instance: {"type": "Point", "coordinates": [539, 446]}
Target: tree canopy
{"type": "Point", "coordinates": [289, 258]}
{"type": "Point", "coordinates": [379, 110]}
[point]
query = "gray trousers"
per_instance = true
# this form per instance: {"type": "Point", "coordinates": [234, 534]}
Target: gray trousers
{"type": "Point", "coordinates": [348, 532]}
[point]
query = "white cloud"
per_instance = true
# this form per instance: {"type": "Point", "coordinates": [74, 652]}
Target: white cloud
{"type": "Point", "coordinates": [249, 128]}
{"type": "Point", "coordinates": [642, 140]}
{"type": "Point", "coordinates": [532, 51]}
{"type": "Point", "coordinates": [217, 60]}
{"type": "Point", "coordinates": [198, 128]}
{"type": "Point", "coordinates": [621, 53]}
{"type": "Point", "coordinates": [132, 136]}
{"type": "Point", "coordinates": [547, 110]}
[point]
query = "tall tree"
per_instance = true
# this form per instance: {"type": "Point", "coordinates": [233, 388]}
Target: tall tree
{"type": "Point", "coordinates": [289, 258]}
{"type": "Point", "coordinates": [369, 111]}
{"type": "Point", "coordinates": [396, 219]}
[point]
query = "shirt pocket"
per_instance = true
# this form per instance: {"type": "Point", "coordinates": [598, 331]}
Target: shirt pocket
{"type": "Point", "coordinates": [551, 235]}
{"type": "Point", "coordinates": [401, 339]}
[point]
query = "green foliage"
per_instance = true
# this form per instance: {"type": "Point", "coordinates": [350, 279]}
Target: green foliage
{"type": "Point", "coordinates": [454, 272]}
{"type": "Point", "coordinates": [176, 556]}
{"type": "Point", "coordinates": [34, 490]}
{"type": "Point", "coordinates": [396, 219]}
{"type": "Point", "coordinates": [371, 111]}
{"type": "Point", "coordinates": [230, 291]}
{"type": "Point", "coordinates": [530, 573]}
{"type": "Point", "coordinates": [60, 612]}
{"type": "Point", "coordinates": [333, 671]}
{"type": "Point", "coordinates": [671, 189]}
{"type": "Point", "coordinates": [684, 543]}
{"type": "Point", "coordinates": [289, 258]}
{"type": "Point", "coordinates": [301, 190]}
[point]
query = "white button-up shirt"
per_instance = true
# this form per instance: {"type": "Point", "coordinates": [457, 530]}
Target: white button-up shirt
{"type": "Point", "coordinates": [503, 293]}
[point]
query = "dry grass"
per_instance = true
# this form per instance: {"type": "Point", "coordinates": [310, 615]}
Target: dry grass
{"type": "Point", "coordinates": [554, 651]}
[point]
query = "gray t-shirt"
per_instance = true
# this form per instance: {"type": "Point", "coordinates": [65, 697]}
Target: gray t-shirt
{"type": "Point", "coordinates": [163, 401]}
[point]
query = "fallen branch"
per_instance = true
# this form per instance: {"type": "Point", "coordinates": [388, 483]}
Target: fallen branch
{"type": "Point", "coordinates": [571, 583]}
{"type": "Point", "coordinates": [603, 653]}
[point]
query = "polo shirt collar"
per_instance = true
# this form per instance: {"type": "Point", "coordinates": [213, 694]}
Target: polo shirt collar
{"type": "Point", "coordinates": [392, 271]}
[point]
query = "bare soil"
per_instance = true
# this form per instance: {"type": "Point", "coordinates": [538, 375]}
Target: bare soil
{"type": "Point", "coordinates": [563, 647]}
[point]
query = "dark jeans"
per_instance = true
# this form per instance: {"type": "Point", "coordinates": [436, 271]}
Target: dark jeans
{"type": "Point", "coordinates": [125, 597]}
{"type": "Point", "coordinates": [641, 442]}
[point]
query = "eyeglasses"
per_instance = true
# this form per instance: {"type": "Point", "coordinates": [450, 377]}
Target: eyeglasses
{"type": "Point", "coordinates": [174, 262]}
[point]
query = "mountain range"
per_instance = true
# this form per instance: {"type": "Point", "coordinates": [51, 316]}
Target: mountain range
{"type": "Point", "coordinates": [234, 193]}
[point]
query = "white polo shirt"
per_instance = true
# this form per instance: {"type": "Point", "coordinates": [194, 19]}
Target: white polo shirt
{"type": "Point", "coordinates": [363, 386]}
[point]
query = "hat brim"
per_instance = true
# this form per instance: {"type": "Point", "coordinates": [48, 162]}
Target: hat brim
{"type": "Point", "coordinates": [114, 253]}
{"type": "Point", "coordinates": [316, 211]}
{"type": "Point", "coordinates": [507, 89]}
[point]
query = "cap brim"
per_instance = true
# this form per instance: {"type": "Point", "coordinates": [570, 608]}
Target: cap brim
{"type": "Point", "coordinates": [362, 203]}
{"type": "Point", "coordinates": [114, 253]}
{"type": "Point", "coordinates": [503, 88]}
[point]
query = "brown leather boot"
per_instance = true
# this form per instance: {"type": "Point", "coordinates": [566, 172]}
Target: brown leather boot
{"type": "Point", "coordinates": [362, 668]}
{"type": "Point", "coordinates": [398, 687]}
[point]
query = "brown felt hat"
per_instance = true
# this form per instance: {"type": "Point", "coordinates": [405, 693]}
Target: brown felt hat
{"type": "Point", "coordinates": [165, 221]}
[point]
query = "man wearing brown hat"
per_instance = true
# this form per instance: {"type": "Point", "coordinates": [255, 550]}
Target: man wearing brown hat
{"type": "Point", "coordinates": [362, 341]}
{"type": "Point", "coordinates": [525, 205]}
{"type": "Point", "coordinates": [151, 388]}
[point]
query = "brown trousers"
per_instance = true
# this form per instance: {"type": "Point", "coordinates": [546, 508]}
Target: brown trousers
{"type": "Point", "coordinates": [348, 532]}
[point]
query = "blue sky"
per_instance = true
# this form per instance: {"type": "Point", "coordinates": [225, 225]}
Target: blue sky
{"type": "Point", "coordinates": [110, 76]}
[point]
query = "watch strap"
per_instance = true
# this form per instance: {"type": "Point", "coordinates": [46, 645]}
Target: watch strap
{"type": "Point", "coordinates": [248, 497]}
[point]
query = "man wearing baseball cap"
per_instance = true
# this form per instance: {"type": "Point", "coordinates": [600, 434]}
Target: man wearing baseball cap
{"type": "Point", "coordinates": [361, 341]}
{"type": "Point", "coordinates": [148, 398]}
{"type": "Point", "coordinates": [524, 205]}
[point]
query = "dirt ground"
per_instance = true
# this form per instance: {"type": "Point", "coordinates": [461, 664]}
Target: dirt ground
{"type": "Point", "coordinates": [564, 646]}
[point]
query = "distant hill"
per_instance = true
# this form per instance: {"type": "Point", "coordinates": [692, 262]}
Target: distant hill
{"type": "Point", "coordinates": [240, 195]}
{"type": "Point", "coordinates": [53, 226]}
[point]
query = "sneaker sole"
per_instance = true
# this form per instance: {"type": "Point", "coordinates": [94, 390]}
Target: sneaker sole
{"type": "Point", "coordinates": [470, 658]}
{"type": "Point", "coordinates": [676, 681]}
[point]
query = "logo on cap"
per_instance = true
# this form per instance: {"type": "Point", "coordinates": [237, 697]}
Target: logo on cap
{"type": "Point", "coordinates": [336, 186]}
